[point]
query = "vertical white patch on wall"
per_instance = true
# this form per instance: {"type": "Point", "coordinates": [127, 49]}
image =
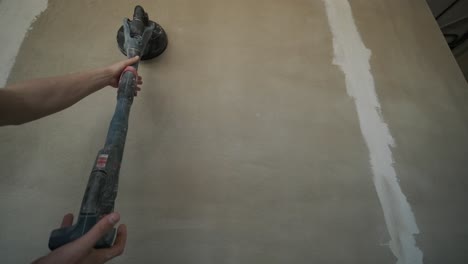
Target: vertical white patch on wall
{"type": "Point", "coordinates": [16, 17]}
{"type": "Point", "coordinates": [353, 57]}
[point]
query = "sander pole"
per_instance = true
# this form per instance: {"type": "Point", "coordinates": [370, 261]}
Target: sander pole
{"type": "Point", "coordinates": [139, 39]}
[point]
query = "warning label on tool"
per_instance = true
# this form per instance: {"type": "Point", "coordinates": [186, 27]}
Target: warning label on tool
{"type": "Point", "coordinates": [101, 161]}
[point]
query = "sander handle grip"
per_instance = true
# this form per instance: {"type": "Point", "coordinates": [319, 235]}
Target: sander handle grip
{"type": "Point", "coordinates": [65, 235]}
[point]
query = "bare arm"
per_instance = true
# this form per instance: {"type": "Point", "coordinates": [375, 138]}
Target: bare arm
{"type": "Point", "coordinates": [31, 100]}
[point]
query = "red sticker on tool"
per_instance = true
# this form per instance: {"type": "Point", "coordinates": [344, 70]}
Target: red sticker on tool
{"type": "Point", "coordinates": [101, 161]}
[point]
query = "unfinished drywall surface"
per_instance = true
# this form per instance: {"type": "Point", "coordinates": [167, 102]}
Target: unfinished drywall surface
{"type": "Point", "coordinates": [244, 146]}
{"type": "Point", "coordinates": [16, 18]}
{"type": "Point", "coordinates": [352, 56]}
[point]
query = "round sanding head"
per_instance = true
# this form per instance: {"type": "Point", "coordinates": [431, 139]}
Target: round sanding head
{"type": "Point", "coordinates": [155, 47]}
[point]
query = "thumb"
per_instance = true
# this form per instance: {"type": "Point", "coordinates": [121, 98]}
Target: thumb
{"type": "Point", "coordinates": [99, 230]}
{"type": "Point", "coordinates": [131, 61]}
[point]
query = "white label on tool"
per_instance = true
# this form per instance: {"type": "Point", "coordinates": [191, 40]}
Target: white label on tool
{"type": "Point", "coordinates": [101, 161]}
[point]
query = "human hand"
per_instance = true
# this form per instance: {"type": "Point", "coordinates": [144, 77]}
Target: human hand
{"type": "Point", "coordinates": [82, 250]}
{"type": "Point", "coordinates": [116, 69]}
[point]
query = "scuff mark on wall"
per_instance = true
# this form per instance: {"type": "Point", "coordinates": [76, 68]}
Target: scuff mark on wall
{"type": "Point", "coordinates": [352, 56]}
{"type": "Point", "coordinates": [16, 16]}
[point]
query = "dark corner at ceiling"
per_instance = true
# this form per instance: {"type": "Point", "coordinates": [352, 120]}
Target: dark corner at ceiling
{"type": "Point", "coordinates": [452, 17]}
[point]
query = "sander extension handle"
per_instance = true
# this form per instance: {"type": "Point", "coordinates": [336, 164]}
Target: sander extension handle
{"type": "Point", "coordinates": [101, 190]}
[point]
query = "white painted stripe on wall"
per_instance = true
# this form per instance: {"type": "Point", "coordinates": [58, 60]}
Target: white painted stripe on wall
{"type": "Point", "coordinates": [16, 17]}
{"type": "Point", "coordinates": [352, 56]}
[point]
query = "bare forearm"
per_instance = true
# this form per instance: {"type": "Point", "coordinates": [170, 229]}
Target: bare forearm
{"type": "Point", "coordinates": [31, 100]}
{"type": "Point", "coordinates": [34, 99]}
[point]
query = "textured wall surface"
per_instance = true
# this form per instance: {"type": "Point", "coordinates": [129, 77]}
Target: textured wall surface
{"type": "Point", "coordinates": [305, 131]}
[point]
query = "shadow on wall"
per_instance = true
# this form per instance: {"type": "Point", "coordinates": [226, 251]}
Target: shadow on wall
{"type": "Point", "coordinates": [451, 15]}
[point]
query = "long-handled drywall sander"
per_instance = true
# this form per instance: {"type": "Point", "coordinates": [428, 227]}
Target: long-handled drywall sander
{"type": "Point", "coordinates": [138, 37]}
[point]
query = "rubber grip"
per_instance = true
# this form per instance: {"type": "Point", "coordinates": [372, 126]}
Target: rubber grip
{"type": "Point", "coordinates": [65, 235]}
{"type": "Point", "coordinates": [130, 69]}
